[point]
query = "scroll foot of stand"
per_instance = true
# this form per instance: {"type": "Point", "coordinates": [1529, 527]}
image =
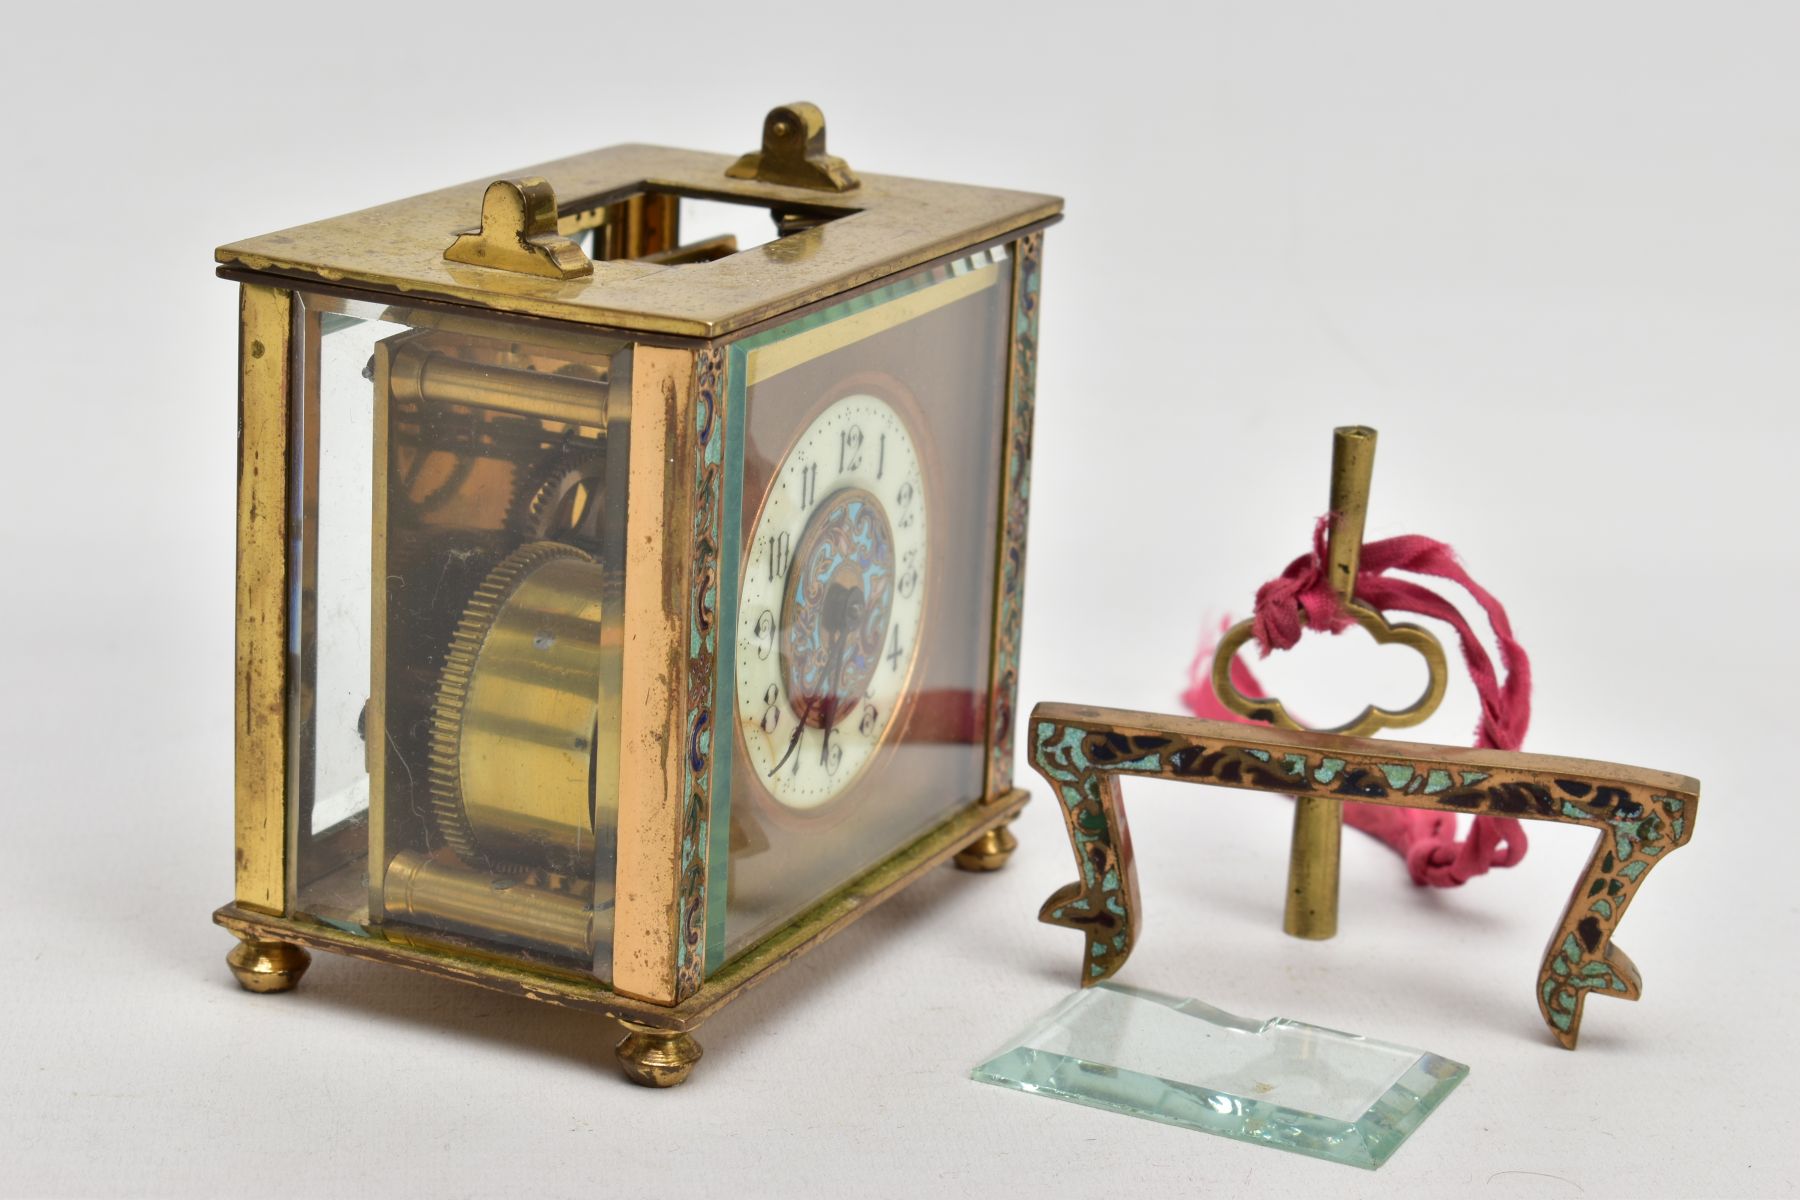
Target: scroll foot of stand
{"type": "Point", "coordinates": [267, 966]}
{"type": "Point", "coordinates": [657, 1058]}
{"type": "Point", "coordinates": [988, 852]}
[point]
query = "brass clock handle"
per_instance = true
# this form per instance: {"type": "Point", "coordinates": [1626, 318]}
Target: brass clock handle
{"type": "Point", "coordinates": [793, 153]}
{"type": "Point", "coordinates": [518, 233]}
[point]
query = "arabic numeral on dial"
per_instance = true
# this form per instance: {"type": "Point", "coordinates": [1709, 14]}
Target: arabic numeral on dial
{"type": "Point", "coordinates": [895, 651]}
{"type": "Point", "coordinates": [834, 758]}
{"type": "Point", "coordinates": [870, 719]}
{"type": "Point", "coordinates": [809, 484]}
{"type": "Point", "coordinates": [881, 457]}
{"type": "Point", "coordinates": [903, 500]}
{"type": "Point", "coordinates": [765, 634]}
{"type": "Point", "coordinates": [909, 577]}
{"type": "Point", "coordinates": [780, 551]}
{"type": "Point", "coordinates": [850, 448]}
{"type": "Point", "coordinates": [771, 718]}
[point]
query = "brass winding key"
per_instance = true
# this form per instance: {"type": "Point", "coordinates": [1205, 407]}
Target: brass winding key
{"type": "Point", "coordinates": [1312, 899]}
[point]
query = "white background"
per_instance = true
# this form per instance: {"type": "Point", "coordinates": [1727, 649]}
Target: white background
{"type": "Point", "coordinates": [1549, 249]}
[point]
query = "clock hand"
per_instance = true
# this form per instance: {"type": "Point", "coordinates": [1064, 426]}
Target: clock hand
{"type": "Point", "coordinates": [800, 725]}
{"type": "Point", "coordinates": [830, 703]}
{"type": "Point", "coordinates": [843, 611]}
{"type": "Point", "coordinates": [799, 728]}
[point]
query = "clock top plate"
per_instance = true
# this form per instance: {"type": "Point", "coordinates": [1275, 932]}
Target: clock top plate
{"type": "Point", "coordinates": [888, 224]}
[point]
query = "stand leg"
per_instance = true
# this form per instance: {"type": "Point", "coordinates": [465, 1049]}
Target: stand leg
{"type": "Point", "coordinates": [988, 852]}
{"type": "Point", "coordinates": [656, 1057]}
{"type": "Point", "coordinates": [267, 966]}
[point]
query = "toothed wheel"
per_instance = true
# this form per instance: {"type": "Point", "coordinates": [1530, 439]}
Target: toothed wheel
{"type": "Point", "coordinates": [514, 716]}
{"type": "Point", "coordinates": [565, 506]}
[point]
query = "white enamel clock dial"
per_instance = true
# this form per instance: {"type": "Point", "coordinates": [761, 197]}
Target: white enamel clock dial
{"type": "Point", "coordinates": [832, 600]}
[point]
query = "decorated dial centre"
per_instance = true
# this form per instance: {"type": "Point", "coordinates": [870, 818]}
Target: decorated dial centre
{"type": "Point", "coordinates": [832, 601]}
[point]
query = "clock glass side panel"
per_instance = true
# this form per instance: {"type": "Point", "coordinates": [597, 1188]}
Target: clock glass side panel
{"type": "Point", "coordinates": [453, 713]}
{"type": "Point", "coordinates": [854, 674]}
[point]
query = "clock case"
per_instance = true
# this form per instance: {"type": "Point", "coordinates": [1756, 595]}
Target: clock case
{"type": "Point", "coordinates": [584, 256]}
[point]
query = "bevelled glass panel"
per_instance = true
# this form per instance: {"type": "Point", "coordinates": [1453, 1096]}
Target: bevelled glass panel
{"type": "Point", "coordinates": [855, 693]}
{"type": "Point", "coordinates": [1278, 1083]}
{"type": "Point", "coordinates": [459, 501]}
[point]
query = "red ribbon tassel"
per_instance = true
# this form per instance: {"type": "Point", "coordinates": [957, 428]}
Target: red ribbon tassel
{"type": "Point", "coordinates": [1426, 839]}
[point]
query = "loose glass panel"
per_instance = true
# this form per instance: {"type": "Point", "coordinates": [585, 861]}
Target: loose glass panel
{"type": "Point", "coordinates": [1278, 1083]}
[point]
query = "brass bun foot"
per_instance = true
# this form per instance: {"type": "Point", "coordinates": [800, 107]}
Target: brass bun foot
{"type": "Point", "coordinates": [656, 1057]}
{"type": "Point", "coordinates": [988, 852]}
{"type": "Point", "coordinates": [267, 966]}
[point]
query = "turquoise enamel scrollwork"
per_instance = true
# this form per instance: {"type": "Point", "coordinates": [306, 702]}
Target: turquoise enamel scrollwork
{"type": "Point", "coordinates": [1084, 753]}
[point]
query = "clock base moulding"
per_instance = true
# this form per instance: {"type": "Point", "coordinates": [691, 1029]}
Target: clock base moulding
{"type": "Point", "coordinates": [657, 1048]}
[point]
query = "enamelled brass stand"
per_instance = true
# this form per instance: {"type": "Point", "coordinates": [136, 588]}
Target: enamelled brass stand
{"type": "Point", "coordinates": [1086, 753]}
{"type": "Point", "coordinates": [625, 607]}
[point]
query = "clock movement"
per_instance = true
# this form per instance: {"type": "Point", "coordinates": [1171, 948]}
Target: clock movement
{"type": "Point", "coordinates": [623, 608]}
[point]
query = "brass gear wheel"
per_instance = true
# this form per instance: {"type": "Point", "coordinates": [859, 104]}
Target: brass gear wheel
{"type": "Point", "coordinates": [564, 506]}
{"type": "Point", "coordinates": [513, 716]}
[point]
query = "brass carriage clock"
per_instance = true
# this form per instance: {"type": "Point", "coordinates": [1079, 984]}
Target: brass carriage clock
{"type": "Point", "coordinates": [620, 614]}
